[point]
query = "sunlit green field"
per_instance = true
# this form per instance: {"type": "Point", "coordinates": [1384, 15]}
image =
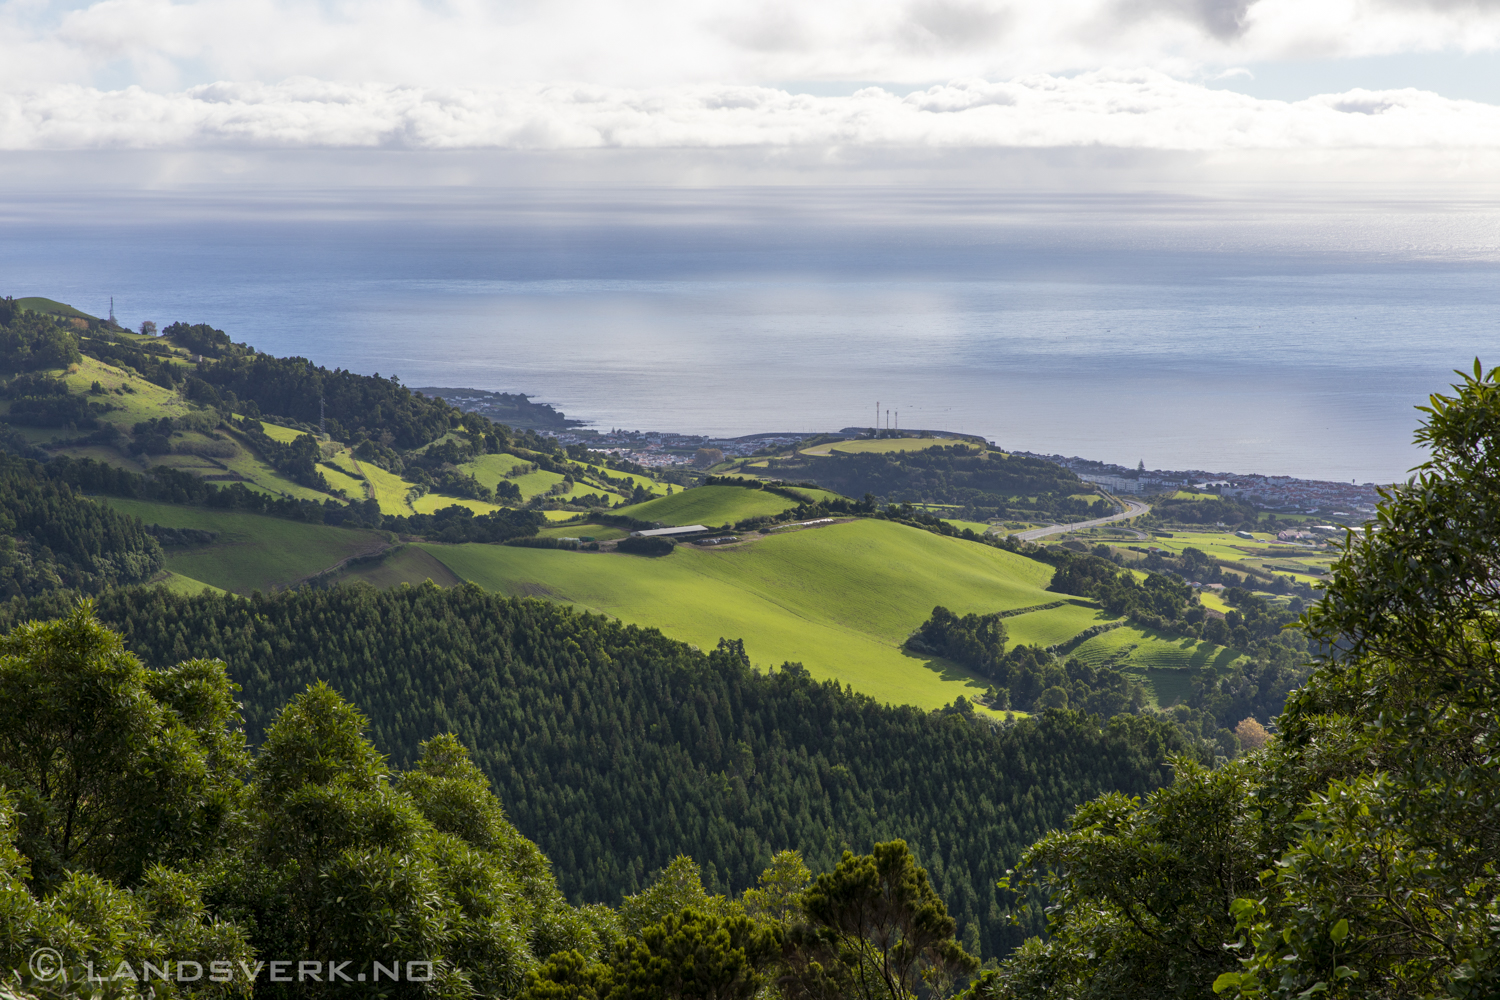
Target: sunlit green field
{"type": "Point", "coordinates": [1156, 650]}
{"type": "Point", "coordinates": [1209, 599]}
{"type": "Point", "coordinates": [431, 503]}
{"type": "Point", "coordinates": [252, 552]}
{"type": "Point", "coordinates": [710, 505]}
{"type": "Point", "coordinates": [389, 489]}
{"type": "Point", "coordinates": [1230, 547]}
{"type": "Point", "coordinates": [185, 585]}
{"type": "Point", "coordinates": [353, 488]}
{"type": "Point", "coordinates": [1055, 625]}
{"type": "Point", "coordinates": [815, 496]}
{"type": "Point", "coordinates": [148, 401]}
{"type": "Point", "coordinates": [840, 599]}
{"type": "Point", "coordinates": [276, 432]}
{"type": "Point", "coordinates": [490, 469]}
{"type": "Point", "coordinates": [541, 481]}
{"type": "Point", "coordinates": [978, 527]}
{"type": "Point", "coordinates": [884, 446]}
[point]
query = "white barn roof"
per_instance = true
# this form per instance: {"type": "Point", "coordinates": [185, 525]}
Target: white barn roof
{"type": "Point", "coordinates": [687, 529]}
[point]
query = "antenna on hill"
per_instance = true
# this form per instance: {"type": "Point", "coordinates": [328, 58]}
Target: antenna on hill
{"type": "Point", "coordinates": [111, 310]}
{"type": "Point", "coordinates": [877, 415]}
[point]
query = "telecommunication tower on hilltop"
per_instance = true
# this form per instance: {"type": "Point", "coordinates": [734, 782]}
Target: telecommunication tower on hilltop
{"type": "Point", "coordinates": [112, 311]}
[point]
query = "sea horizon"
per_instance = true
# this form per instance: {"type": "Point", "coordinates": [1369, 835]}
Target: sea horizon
{"type": "Point", "coordinates": [1230, 334]}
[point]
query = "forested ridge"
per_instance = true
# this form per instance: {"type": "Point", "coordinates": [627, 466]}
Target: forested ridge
{"type": "Point", "coordinates": [616, 748]}
{"type": "Point", "coordinates": [971, 477]}
{"type": "Point", "coordinates": [55, 538]}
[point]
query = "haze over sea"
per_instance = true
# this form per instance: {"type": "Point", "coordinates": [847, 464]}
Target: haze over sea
{"type": "Point", "coordinates": [1289, 338]}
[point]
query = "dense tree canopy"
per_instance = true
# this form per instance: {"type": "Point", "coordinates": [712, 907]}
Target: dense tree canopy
{"type": "Point", "coordinates": [617, 749]}
{"type": "Point", "coordinates": [55, 538]}
{"type": "Point", "coordinates": [969, 476]}
{"type": "Point", "coordinates": [31, 341]}
{"type": "Point", "coordinates": [1354, 856]}
{"type": "Point", "coordinates": [136, 828]}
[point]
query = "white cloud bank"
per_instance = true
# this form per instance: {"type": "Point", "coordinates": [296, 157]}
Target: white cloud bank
{"type": "Point", "coordinates": [1145, 110]}
{"type": "Point", "coordinates": [166, 45]}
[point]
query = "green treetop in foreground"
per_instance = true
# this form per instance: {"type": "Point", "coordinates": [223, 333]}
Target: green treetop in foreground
{"type": "Point", "coordinates": [1356, 855]}
{"type": "Point", "coordinates": [141, 844]}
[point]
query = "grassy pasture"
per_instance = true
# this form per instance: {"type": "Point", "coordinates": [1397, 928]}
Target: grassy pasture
{"type": "Point", "coordinates": [185, 585]}
{"type": "Point", "coordinates": [598, 532]}
{"type": "Point", "coordinates": [710, 505]}
{"type": "Point", "coordinates": [1055, 625]}
{"type": "Point", "coordinates": [978, 527]}
{"type": "Point", "coordinates": [839, 599]}
{"type": "Point", "coordinates": [403, 564]}
{"type": "Point", "coordinates": [1213, 601]}
{"type": "Point", "coordinates": [883, 446]}
{"type": "Point", "coordinates": [490, 469]}
{"type": "Point", "coordinates": [388, 489]}
{"type": "Point", "coordinates": [276, 432]}
{"type": "Point", "coordinates": [431, 503]}
{"type": "Point", "coordinates": [258, 475]}
{"type": "Point", "coordinates": [1231, 548]}
{"type": "Point", "coordinates": [252, 552]}
{"type": "Point", "coordinates": [816, 495]}
{"type": "Point", "coordinates": [1154, 650]}
{"type": "Point", "coordinates": [148, 401]}
{"type": "Point", "coordinates": [1219, 544]}
{"type": "Point", "coordinates": [35, 303]}
{"type": "Point", "coordinates": [539, 482]}
{"type": "Point", "coordinates": [339, 480]}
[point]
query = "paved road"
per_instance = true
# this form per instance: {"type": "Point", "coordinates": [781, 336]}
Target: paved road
{"type": "Point", "coordinates": [1133, 508]}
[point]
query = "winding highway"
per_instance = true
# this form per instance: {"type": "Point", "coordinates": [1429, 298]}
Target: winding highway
{"type": "Point", "coordinates": [1133, 508]}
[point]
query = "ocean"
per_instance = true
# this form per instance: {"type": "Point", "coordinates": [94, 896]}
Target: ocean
{"type": "Point", "coordinates": [1233, 334]}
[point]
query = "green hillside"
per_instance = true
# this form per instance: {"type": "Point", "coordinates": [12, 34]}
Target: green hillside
{"type": "Point", "coordinates": [710, 505]}
{"type": "Point", "coordinates": [1129, 646]}
{"type": "Point", "coordinates": [393, 567]}
{"type": "Point", "coordinates": [253, 551]}
{"type": "Point", "coordinates": [840, 599]}
{"type": "Point", "coordinates": [35, 303]}
{"type": "Point", "coordinates": [884, 446]}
